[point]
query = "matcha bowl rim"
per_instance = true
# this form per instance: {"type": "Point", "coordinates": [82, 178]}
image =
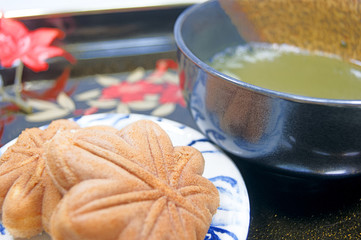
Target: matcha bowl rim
{"type": "Point", "coordinates": [182, 46]}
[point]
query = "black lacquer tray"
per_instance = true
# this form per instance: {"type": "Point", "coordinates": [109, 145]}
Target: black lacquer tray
{"type": "Point", "coordinates": [117, 42]}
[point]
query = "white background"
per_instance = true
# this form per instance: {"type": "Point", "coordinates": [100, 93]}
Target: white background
{"type": "Point", "coordinates": [29, 8]}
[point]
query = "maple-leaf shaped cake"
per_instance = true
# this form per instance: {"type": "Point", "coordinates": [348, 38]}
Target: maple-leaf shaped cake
{"type": "Point", "coordinates": [139, 185]}
{"type": "Point", "coordinates": [27, 193]}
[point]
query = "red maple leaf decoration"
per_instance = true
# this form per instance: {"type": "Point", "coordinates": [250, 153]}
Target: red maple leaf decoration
{"type": "Point", "coordinates": [163, 65]}
{"type": "Point", "coordinates": [129, 92]}
{"type": "Point", "coordinates": [172, 94]}
{"type": "Point", "coordinates": [33, 48]}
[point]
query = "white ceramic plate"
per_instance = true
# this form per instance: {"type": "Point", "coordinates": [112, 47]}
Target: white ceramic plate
{"type": "Point", "coordinates": [231, 221]}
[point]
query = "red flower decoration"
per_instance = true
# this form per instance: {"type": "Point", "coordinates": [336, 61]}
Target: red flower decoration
{"type": "Point", "coordinates": [129, 92]}
{"type": "Point", "coordinates": [172, 94]}
{"type": "Point", "coordinates": [163, 65]}
{"type": "Point", "coordinates": [33, 48]}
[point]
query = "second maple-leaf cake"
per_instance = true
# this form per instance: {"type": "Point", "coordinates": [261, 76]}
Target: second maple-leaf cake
{"type": "Point", "coordinates": [27, 193]}
{"type": "Point", "coordinates": [129, 184]}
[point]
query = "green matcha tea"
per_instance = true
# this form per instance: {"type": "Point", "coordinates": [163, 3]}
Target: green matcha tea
{"type": "Point", "coordinates": [290, 70]}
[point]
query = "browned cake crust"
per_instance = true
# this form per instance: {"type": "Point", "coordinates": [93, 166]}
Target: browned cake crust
{"type": "Point", "coordinates": [27, 194]}
{"type": "Point", "coordinates": [132, 184]}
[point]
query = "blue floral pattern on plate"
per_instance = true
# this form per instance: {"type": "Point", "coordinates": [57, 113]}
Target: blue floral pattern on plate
{"type": "Point", "coordinates": [232, 218]}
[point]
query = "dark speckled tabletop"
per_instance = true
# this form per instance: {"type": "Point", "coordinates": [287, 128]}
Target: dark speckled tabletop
{"type": "Point", "coordinates": [283, 206]}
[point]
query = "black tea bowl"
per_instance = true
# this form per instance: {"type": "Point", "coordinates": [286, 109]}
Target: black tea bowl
{"type": "Point", "coordinates": [280, 131]}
